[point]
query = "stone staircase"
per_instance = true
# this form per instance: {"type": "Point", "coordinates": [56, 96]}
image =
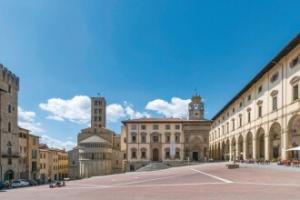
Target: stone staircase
{"type": "Point", "coordinates": [153, 166]}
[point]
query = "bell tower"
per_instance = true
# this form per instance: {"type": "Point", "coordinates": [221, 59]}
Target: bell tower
{"type": "Point", "coordinates": [196, 108]}
{"type": "Point", "coordinates": [98, 113]}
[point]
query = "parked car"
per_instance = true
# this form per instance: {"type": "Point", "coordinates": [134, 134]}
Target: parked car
{"type": "Point", "coordinates": [57, 184]}
{"type": "Point", "coordinates": [19, 183]}
{"type": "Point", "coordinates": [32, 182]}
{"type": "Point", "coordinates": [2, 185]}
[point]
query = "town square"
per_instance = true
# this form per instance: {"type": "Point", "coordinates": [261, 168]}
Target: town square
{"type": "Point", "coordinates": [149, 100]}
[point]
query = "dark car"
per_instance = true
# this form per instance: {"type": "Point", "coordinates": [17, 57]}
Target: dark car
{"type": "Point", "coordinates": [32, 182]}
{"type": "Point", "coordinates": [57, 184]}
{"type": "Point", "coordinates": [2, 185]}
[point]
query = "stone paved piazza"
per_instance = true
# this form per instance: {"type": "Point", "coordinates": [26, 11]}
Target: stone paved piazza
{"type": "Point", "coordinates": [207, 181]}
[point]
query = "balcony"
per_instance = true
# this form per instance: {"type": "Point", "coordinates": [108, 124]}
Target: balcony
{"type": "Point", "coordinates": [10, 155]}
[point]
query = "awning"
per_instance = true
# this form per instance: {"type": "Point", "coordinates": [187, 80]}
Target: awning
{"type": "Point", "coordinates": [294, 149]}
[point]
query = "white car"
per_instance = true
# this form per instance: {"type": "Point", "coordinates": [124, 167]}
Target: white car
{"type": "Point", "coordinates": [19, 183]}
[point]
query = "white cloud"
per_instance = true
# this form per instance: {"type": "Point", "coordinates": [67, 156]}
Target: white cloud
{"type": "Point", "coordinates": [176, 108]}
{"type": "Point", "coordinates": [115, 112]}
{"type": "Point", "coordinates": [75, 110]}
{"type": "Point", "coordinates": [55, 143]}
{"type": "Point", "coordinates": [27, 120]}
{"type": "Point", "coordinates": [134, 114]}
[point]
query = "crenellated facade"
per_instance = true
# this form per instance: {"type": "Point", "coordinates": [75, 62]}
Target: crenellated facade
{"type": "Point", "coordinates": [263, 120]}
{"type": "Point", "coordinates": [9, 130]}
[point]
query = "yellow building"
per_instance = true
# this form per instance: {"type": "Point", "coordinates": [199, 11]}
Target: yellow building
{"type": "Point", "coordinates": [53, 164]}
{"type": "Point", "coordinates": [62, 164]}
{"type": "Point", "coordinates": [29, 156]}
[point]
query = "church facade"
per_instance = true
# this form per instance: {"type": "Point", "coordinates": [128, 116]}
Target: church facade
{"type": "Point", "coordinates": [98, 148]}
{"type": "Point", "coordinates": [171, 140]}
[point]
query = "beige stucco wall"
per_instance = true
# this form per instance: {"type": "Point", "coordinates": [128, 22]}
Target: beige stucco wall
{"type": "Point", "coordinates": [286, 109]}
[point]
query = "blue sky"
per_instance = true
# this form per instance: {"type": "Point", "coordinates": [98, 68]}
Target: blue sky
{"type": "Point", "coordinates": [138, 54]}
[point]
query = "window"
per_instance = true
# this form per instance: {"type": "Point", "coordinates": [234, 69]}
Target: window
{"type": "Point", "coordinates": [9, 150]}
{"type": "Point", "coordinates": [168, 127]}
{"type": "Point", "coordinates": [260, 89]}
{"type": "Point", "coordinates": [233, 124]}
{"type": "Point", "coordinates": [177, 138]}
{"type": "Point", "coordinates": [241, 104]}
{"type": "Point", "coordinates": [9, 108]}
{"type": "Point", "coordinates": [168, 139]}
{"type": "Point", "coordinates": [9, 88]}
{"type": "Point", "coordinates": [294, 62]}
{"type": "Point", "coordinates": [133, 127]}
{"type": "Point", "coordinates": [155, 127]}
{"type": "Point", "coordinates": [241, 120]}
{"type": "Point", "coordinates": [259, 111]}
{"type": "Point", "coordinates": [143, 127]}
{"type": "Point", "coordinates": [295, 92]}
{"type": "Point", "coordinates": [249, 97]}
{"type": "Point", "coordinates": [133, 153]}
{"type": "Point", "coordinates": [249, 116]}
{"type": "Point", "coordinates": [177, 155]}
{"type": "Point", "coordinates": [143, 138]}
{"type": "Point", "coordinates": [155, 138]}
{"type": "Point", "coordinates": [168, 154]}
{"type": "Point", "coordinates": [274, 77]}
{"type": "Point", "coordinates": [9, 127]}
{"type": "Point", "coordinates": [143, 156]}
{"type": "Point", "coordinates": [133, 138]}
{"type": "Point", "coordinates": [34, 154]}
{"type": "Point", "coordinates": [177, 127]}
{"type": "Point", "coordinates": [227, 127]}
{"type": "Point", "coordinates": [274, 103]}
{"type": "Point", "coordinates": [9, 161]}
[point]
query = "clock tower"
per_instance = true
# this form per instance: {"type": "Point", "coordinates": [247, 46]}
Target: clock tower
{"type": "Point", "coordinates": [196, 108]}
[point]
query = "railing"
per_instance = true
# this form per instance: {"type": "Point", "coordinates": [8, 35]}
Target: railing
{"type": "Point", "coordinates": [10, 155]}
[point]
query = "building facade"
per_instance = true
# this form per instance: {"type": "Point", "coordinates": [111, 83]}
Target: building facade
{"type": "Point", "coordinates": [98, 148]}
{"type": "Point", "coordinates": [53, 164]}
{"type": "Point", "coordinates": [9, 130]}
{"type": "Point", "coordinates": [263, 120]}
{"type": "Point", "coordinates": [29, 155]}
{"type": "Point", "coordinates": [167, 139]}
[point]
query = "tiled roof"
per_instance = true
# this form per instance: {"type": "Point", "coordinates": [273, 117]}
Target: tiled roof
{"type": "Point", "coordinates": [160, 120]}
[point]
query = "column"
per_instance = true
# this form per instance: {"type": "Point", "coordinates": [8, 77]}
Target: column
{"type": "Point", "coordinates": [230, 151]}
{"type": "Point", "coordinates": [221, 151]}
{"type": "Point", "coordinates": [245, 150]}
{"type": "Point", "coordinates": [237, 148]}
{"type": "Point", "coordinates": [267, 147]}
{"type": "Point", "coordinates": [284, 145]}
{"type": "Point", "coordinates": [254, 148]}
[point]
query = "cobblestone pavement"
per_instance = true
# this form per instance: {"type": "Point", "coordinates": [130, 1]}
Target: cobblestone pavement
{"type": "Point", "coordinates": [206, 181]}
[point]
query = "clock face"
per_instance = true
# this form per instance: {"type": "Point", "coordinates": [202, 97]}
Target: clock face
{"type": "Point", "coordinates": [196, 106]}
